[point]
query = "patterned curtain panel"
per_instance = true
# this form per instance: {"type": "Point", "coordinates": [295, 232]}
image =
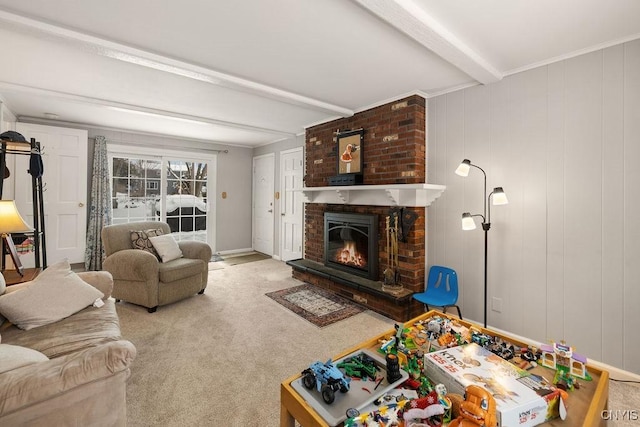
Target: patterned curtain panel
{"type": "Point", "coordinates": [100, 206]}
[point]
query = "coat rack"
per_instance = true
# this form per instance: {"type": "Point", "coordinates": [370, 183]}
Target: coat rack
{"type": "Point", "coordinates": [15, 143]}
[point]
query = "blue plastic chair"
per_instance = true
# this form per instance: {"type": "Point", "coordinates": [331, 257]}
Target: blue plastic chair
{"type": "Point", "coordinates": [441, 289]}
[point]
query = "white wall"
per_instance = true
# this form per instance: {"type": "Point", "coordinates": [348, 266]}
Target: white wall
{"type": "Point", "coordinates": [564, 254]}
{"type": "Point", "coordinates": [8, 122]}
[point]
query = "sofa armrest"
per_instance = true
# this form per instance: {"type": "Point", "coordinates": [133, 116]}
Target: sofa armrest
{"type": "Point", "coordinates": [45, 380]}
{"type": "Point", "coordinates": [131, 264]}
{"type": "Point", "coordinates": [194, 249]}
{"type": "Point", "coordinates": [101, 280]}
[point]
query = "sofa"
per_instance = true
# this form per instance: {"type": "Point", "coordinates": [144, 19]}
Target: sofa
{"type": "Point", "coordinates": [142, 277]}
{"type": "Point", "coordinates": [82, 380]}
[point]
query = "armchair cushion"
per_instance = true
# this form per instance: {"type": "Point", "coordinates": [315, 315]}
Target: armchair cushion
{"type": "Point", "coordinates": [55, 294]}
{"type": "Point", "coordinates": [180, 268]}
{"type": "Point", "coordinates": [140, 240]}
{"type": "Point", "coordinates": [167, 247]}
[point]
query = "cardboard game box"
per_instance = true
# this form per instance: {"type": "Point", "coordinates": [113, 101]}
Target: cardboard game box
{"type": "Point", "coordinates": [522, 399]}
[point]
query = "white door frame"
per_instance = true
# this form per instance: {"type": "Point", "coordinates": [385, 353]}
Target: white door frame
{"type": "Point", "coordinates": [283, 201]}
{"type": "Point", "coordinates": [270, 197]}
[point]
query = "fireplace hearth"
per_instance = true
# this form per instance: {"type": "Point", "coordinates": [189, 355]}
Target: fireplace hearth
{"type": "Point", "coordinates": [351, 243]}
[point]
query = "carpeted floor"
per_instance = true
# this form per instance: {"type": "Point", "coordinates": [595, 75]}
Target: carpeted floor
{"type": "Point", "coordinates": [316, 305]}
{"type": "Point", "coordinates": [218, 359]}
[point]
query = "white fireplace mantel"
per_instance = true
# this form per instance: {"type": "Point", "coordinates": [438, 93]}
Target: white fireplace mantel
{"type": "Point", "coordinates": [412, 195]}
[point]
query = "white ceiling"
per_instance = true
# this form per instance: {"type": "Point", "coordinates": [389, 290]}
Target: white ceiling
{"type": "Point", "coordinates": [252, 72]}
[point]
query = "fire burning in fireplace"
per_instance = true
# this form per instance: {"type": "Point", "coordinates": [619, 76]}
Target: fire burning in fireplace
{"type": "Point", "coordinates": [351, 243]}
{"type": "Point", "coordinates": [349, 255]}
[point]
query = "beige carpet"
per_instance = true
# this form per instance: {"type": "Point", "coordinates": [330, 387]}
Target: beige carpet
{"type": "Point", "coordinates": [218, 359]}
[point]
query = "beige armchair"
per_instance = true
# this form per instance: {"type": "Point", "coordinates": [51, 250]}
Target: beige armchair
{"type": "Point", "coordinates": [140, 278]}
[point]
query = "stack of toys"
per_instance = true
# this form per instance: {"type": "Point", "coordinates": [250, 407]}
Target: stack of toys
{"type": "Point", "coordinates": [434, 350]}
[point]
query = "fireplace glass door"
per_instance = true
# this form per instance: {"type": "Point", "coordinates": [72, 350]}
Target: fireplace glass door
{"type": "Point", "coordinates": [351, 243]}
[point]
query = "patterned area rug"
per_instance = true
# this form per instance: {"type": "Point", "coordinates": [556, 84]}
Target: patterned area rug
{"type": "Point", "coordinates": [316, 305]}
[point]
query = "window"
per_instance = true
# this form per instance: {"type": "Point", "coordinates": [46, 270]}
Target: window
{"type": "Point", "coordinates": [162, 188]}
{"type": "Point", "coordinates": [135, 189]}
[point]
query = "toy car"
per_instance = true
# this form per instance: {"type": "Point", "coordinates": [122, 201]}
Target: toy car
{"type": "Point", "coordinates": [327, 378]}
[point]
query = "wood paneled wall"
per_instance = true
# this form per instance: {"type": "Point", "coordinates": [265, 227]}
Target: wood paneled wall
{"type": "Point", "coordinates": [564, 254]}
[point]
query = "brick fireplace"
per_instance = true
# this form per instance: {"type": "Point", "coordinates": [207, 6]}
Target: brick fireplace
{"type": "Point", "coordinates": [394, 153]}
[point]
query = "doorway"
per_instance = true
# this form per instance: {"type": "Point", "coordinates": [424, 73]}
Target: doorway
{"type": "Point", "coordinates": [64, 154]}
{"type": "Point", "coordinates": [291, 204]}
{"type": "Point", "coordinates": [263, 188]}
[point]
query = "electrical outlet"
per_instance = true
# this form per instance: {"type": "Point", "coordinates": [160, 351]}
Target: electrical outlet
{"type": "Point", "coordinates": [358, 298]}
{"type": "Point", "coordinates": [496, 304]}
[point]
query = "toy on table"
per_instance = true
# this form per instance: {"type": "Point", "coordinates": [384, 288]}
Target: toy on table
{"type": "Point", "coordinates": [425, 410]}
{"type": "Point", "coordinates": [327, 379]}
{"type": "Point", "coordinates": [478, 409]}
{"type": "Point", "coordinates": [441, 391]}
{"type": "Point", "coordinates": [393, 368]}
{"type": "Point", "coordinates": [562, 358]}
{"type": "Point", "coordinates": [359, 366]}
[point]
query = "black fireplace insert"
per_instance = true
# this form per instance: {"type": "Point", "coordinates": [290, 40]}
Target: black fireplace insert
{"type": "Point", "coordinates": [351, 243]}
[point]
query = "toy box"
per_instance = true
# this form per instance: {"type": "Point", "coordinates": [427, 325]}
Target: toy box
{"type": "Point", "coordinates": [522, 399]}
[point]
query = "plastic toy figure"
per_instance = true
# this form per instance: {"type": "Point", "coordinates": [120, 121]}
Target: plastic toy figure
{"type": "Point", "coordinates": [360, 366]}
{"type": "Point", "coordinates": [478, 409]}
{"type": "Point", "coordinates": [327, 378]}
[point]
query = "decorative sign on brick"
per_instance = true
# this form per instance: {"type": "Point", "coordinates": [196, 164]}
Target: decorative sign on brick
{"type": "Point", "coordinates": [390, 138]}
{"type": "Point", "coordinates": [318, 161]}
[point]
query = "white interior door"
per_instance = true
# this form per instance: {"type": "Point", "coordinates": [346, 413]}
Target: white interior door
{"type": "Point", "coordinates": [64, 156]}
{"type": "Point", "coordinates": [263, 187]}
{"type": "Point", "coordinates": [291, 204]}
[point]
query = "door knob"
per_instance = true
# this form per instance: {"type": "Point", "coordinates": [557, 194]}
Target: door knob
{"type": "Point", "coordinates": [81, 204]}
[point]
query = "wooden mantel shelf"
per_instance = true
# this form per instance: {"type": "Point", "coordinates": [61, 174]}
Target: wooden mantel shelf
{"type": "Point", "coordinates": [412, 195]}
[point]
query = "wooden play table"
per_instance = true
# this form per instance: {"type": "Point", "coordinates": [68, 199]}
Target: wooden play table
{"type": "Point", "coordinates": [585, 405]}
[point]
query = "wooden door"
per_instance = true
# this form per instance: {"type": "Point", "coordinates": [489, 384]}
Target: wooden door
{"type": "Point", "coordinates": [64, 155]}
{"type": "Point", "coordinates": [291, 204]}
{"type": "Point", "coordinates": [263, 187]}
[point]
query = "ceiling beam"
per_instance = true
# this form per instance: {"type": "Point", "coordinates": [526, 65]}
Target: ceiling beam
{"type": "Point", "coordinates": [133, 109]}
{"type": "Point", "coordinates": [412, 20]}
{"type": "Point", "coordinates": [166, 64]}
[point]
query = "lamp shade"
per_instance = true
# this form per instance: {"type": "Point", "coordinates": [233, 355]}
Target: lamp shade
{"type": "Point", "coordinates": [10, 219]}
{"type": "Point", "coordinates": [463, 168]}
{"type": "Point", "coordinates": [467, 222]}
{"type": "Point", "coordinates": [499, 196]}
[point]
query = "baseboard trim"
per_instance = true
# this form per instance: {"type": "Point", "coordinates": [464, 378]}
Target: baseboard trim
{"type": "Point", "coordinates": [614, 372]}
{"type": "Point", "coordinates": [234, 251]}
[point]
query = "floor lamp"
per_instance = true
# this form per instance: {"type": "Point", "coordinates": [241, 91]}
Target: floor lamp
{"type": "Point", "coordinates": [11, 222]}
{"type": "Point", "coordinates": [498, 197]}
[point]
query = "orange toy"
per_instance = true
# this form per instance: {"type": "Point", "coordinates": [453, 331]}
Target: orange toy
{"type": "Point", "coordinates": [478, 409]}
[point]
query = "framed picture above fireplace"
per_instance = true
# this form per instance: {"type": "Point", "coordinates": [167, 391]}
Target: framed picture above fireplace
{"type": "Point", "coordinates": [350, 152]}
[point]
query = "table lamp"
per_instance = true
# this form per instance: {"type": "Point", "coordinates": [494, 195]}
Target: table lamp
{"type": "Point", "coordinates": [11, 222]}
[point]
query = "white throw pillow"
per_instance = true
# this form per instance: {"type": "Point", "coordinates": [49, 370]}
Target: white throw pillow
{"type": "Point", "coordinates": [167, 247]}
{"type": "Point", "coordinates": [3, 284]}
{"type": "Point", "coordinates": [13, 357]}
{"type": "Point", "coordinates": [54, 294]}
